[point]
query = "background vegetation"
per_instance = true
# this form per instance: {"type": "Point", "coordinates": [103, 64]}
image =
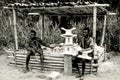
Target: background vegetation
{"type": "Point", "coordinates": [52, 30]}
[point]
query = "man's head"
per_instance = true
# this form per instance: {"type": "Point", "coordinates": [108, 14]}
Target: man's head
{"type": "Point", "coordinates": [86, 32]}
{"type": "Point", "coordinates": [32, 33]}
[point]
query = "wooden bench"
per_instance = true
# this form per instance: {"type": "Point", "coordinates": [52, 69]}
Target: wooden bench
{"type": "Point", "coordinates": [52, 62]}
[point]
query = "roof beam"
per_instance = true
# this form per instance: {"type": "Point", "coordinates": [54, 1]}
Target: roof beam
{"type": "Point", "coordinates": [113, 13]}
{"type": "Point", "coordinates": [42, 7]}
{"type": "Point", "coordinates": [96, 4]}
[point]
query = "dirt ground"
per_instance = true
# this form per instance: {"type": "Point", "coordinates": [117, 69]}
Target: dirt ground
{"type": "Point", "coordinates": [109, 70]}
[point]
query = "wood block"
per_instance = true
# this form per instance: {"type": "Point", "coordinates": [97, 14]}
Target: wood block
{"type": "Point", "coordinates": [53, 75]}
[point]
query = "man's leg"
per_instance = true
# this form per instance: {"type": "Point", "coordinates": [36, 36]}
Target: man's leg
{"type": "Point", "coordinates": [28, 59]}
{"type": "Point", "coordinates": [41, 58]}
{"type": "Point", "coordinates": [83, 66]}
{"type": "Point", "coordinates": [75, 64]}
{"type": "Point", "coordinates": [42, 64]}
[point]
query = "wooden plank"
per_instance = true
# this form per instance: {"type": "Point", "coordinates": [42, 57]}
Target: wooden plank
{"type": "Point", "coordinates": [45, 54]}
{"type": "Point", "coordinates": [38, 68]}
{"type": "Point", "coordinates": [37, 58]}
{"type": "Point", "coordinates": [24, 52]}
{"type": "Point", "coordinates": [54, 60]}
{"type": "Point", "coordinates": [45, 57]}
{"type": "Point", "coordinates": [55, 64]}
{"type": "Point", "coordinates": [50, 66]}
{"type": "Point", "coordinates": [87, 69]}
{"type": "Point", "coordinates": [39, 65]}
{"type": "Point", "coordinates": [45, 61]}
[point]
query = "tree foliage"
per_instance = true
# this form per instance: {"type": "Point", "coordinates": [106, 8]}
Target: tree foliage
{"type": "Point", "coordinates": [52, 27]}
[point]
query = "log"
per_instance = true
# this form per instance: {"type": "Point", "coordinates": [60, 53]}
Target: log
{"type": "Point", "coordinates": [103, 32]}
{"type": "Point", "coordinates": [94, 29]}
{"type": "Point", "coordinates": [15, 29]}
{"type": "Point", "coordinates": [39, 66]}
{"type": "Point", "coordinates": [45, 61]}
{"type": "Point", "coordinates": [45, 57]}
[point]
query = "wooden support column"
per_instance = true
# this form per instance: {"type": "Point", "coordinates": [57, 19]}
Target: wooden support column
{"type": "Point", "coordinates": [94, 30]}
{"type": "Point", "coordinates": [42, 27]}
{"type": "Point", "coordinates": [15, 29]}
{"type": "Point", "coordinates": [103, 32]}
{"type": "Point", "coordinates": [68, 64]}
{"type": "Point", "coordinates": [119, 39]}
{"type": "Point", "coordinates": [94, 23]}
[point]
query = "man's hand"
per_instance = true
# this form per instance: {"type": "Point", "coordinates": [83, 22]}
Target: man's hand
{"type": "Point", "coordinates": [79, 53]}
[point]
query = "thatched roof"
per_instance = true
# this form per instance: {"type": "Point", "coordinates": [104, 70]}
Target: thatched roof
{"type": "Point", "coordinates": [61, 10]}
{"type": "Point", "coordinates": [72, 10]}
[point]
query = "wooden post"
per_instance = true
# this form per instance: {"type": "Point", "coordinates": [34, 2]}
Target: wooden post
{"type": "Point", "coordinates": [94, 30]}
{"type": "Point", "coordinates": [94, 23]}
{"type": "Point", "coordinates": [15, 33]}
{"type": "Point", "coordinates": [119, 39]}
{"type": "Point", "coordinates": [103, 32]}
{"type": "Point", "coordinates": [15, 29]}
{"type": "Point", "coordinates": [42, 27]}
{"type": "Point", "coordinates": [68, 65]}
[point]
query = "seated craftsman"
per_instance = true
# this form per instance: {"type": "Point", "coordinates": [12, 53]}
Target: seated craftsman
{"type": "Point", "coordinates": [34, 46]}
{"type": "Point", "coordinates": [87, 48]}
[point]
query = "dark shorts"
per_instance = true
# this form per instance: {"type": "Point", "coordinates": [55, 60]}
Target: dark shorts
{"type": "Point", "coordinates": [78, 60]}
{"type": "Point", "coordinates": [33, 52]}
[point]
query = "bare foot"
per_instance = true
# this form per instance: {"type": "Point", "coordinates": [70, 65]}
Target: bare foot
{"type": "Point", "coordinates": [78, 76]}
{"type": "Point", "coordinates": [26, 70]}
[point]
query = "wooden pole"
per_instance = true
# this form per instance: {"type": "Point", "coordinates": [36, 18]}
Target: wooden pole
{"type": "Point", "coordinates": [94, 30]}
{"type": "Point", "coordinates": [103, 32]}
{"type": "Point", "coordinates": [15, 33]}
{"type": "Point", "coordinates": [94, 24]}
{"type": "Point", "coordinates": [119, 39]}
{"type": "Point", "coordinates": [42, 27]}
{"type": "Point", "coordinates": [15, 29]}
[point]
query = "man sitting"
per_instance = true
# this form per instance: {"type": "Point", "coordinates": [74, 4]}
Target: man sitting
{"type": "Point", "coordinates": [33, 46]}
{"type": "Point", "coordinates": [87, 48]}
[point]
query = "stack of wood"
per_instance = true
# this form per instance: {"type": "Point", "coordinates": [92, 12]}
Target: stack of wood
{"type": "Point", "coordinates": [52, 62]}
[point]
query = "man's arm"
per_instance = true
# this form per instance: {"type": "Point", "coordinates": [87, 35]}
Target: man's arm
{"type": "Point", "coordinates": [27, 45]}
{"type": "Point", "coordinates": [44, 44]}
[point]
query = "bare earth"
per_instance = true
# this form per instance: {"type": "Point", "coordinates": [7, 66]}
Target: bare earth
{"type": "Point", "coordinates": [109, 70]}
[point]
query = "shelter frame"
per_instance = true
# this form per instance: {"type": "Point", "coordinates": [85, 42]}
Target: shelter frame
{"type": "Point", "coordinates": [94, 13]}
